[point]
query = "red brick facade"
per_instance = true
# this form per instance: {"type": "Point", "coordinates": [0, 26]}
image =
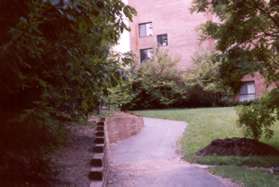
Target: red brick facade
{"type": "Point", "coordinates": [261, 86]}
{"type": "Point", "coordinates": [123, 125]}
{"type": "Point", "coordinates": [171, 17]}
{"type": "Point", "coordinates": [174, 18]}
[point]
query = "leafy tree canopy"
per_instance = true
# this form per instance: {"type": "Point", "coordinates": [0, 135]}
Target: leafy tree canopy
{"type": "Point", "coordinates": [247, 35]}
{"type": "Point", "coordinates": [55, 64]}
{"type": "Point", "coordinates": [247, 40]}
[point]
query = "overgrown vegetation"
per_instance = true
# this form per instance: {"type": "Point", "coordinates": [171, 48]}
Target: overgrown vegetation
{"type": "Point", "coordinates": [159, 83]}
{"type": "Point", "coordinates": [55, 67]}
{"type": "Point", "coordinates": [259, 118]}
{"type": "Point", "coordinates": [246, 34]}
{"type": "Point", "coordinates": [204, 78]}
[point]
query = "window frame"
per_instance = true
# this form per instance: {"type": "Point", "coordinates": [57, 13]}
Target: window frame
{"type": "Point", "coordinates": [244, 97]}
{"type": "Point", "coordinates": [146, 34]}
{"type": "Point", "coordinates": [145, 49]}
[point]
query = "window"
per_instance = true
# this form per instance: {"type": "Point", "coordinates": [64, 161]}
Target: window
{"type": "Point", "coordinates": [247, 91]}
{"type": "Point", "coordinates": [162, 40]}
{"type": "Point", "coordinates": [146, 54]}
{"type": "Point", "coordinates": [145, 29]}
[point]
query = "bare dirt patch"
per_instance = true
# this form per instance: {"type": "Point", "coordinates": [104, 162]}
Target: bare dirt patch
{"type": "Point", "coordinates": [72, 161]}
{"type": "Point", "coordinates": [238, 147]}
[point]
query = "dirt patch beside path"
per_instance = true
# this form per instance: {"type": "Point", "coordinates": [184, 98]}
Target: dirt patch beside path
{"type": "Point", "coordinates": [72, 160]}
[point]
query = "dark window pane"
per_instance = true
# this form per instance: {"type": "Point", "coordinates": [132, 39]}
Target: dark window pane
{"type": "Point", "coordinates": [162, 40]}
{"type": "Point", "coordinates": [146, 54]}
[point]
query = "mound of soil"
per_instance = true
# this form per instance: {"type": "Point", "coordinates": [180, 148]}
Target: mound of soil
{"type": "Point", "coordinates": [238, 147]}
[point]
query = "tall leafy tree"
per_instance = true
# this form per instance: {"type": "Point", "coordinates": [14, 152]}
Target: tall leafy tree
{"type": "Point", "coordinates": [54, 66]}
{"type": "Point", "coordinates": [247, 40]}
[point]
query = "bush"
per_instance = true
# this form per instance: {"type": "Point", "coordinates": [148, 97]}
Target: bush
{"type": "Point", "coordinates": [258, 118]}
{"type": "Point", "coordinates": [157, 83]}
{"type": "Point", "coordinates": [207, 87]}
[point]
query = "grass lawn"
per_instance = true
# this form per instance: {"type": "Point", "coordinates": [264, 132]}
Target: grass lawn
{"type": "Point", "coordinates": [207, 124]}
{"type": "Point", "coordinates": [248, 177]}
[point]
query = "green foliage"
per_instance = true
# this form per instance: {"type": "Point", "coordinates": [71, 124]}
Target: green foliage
{"type": "Point", "coordinates": [205, 77]}
{"type": "Point", "coordinates": [247, 41]}
{"type": "Point", "coordinates": [121, 94]}
{"type": "Point", "coordinates": [257, 119]}
{"type": "Point", "coordinates": [248, 177]}
{"type": "Point", "coordinates": [55, 67]}
{"type": "Point", "coordinates": [157, 83]}
{"type": "Point", "coordinates": [246, 35]}
{"type": "Point", "coordinates": [205, 72]}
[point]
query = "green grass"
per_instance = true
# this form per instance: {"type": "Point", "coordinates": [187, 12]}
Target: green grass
{"type": "Point", "coordinates": [207, 124]}
{"type": "Point", "coordinates": [247, 177]}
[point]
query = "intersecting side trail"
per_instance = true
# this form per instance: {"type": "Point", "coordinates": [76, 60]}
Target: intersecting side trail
{"type": "Point", "coordinates": [150, 159]}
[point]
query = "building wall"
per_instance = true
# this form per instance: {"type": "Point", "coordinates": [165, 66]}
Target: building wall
{"type": "Point", "coordinates": [261, 86]}
{"type": "Point", "coordinates": [174, 18]}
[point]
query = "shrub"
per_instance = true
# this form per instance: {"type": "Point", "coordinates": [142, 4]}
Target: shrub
{"type": "Point", "coordinates": [161, 83]}
{"type": "Point", "coordinates": [204, 78]}
{"type": "Point", "coordinates": [157, 83]}
{"type": "Point", "coordinates": [258, 118]}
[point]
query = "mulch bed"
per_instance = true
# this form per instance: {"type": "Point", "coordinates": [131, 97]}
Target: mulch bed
{"type": "Point", "coordinates": [238, 147]}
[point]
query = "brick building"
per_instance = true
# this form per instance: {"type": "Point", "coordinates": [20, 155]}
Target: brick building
{"type": "Point", "coordinates": [169, 24]}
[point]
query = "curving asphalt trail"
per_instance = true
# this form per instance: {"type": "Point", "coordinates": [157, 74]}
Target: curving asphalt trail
{"type": "Point", "coordinates": [150, 159]}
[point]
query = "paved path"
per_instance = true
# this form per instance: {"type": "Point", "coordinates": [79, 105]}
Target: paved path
{"type": "Point", "coordinates": [150, 159]}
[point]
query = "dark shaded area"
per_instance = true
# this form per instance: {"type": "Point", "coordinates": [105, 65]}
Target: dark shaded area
{"type": "Point", "coordinates": [100, 133]}
{"type": "Point", "coordinates": [99, 141]}
{"type": "Point", "coordinates": [193, 97]}
{"type": "Point", "coordinates": [95, 176]}
{"type": "Point", "coordinates": [238, 147]}
{"type": "Point", "coordinates": [54, 68]}
{"type": "Point", "coordinates": [72, 161]}
{"type": "Point", "coordinates": [70, 164]}
{"type": "Point", "coordinates": [96, 162]}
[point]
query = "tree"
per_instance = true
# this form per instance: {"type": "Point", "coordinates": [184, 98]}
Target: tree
{"type": "Point", "coordinates": [205, 75]}
{"type": "Point", "coordinates": [247, 40]}
{"type": "Point", "coordinates": [54, 67]}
